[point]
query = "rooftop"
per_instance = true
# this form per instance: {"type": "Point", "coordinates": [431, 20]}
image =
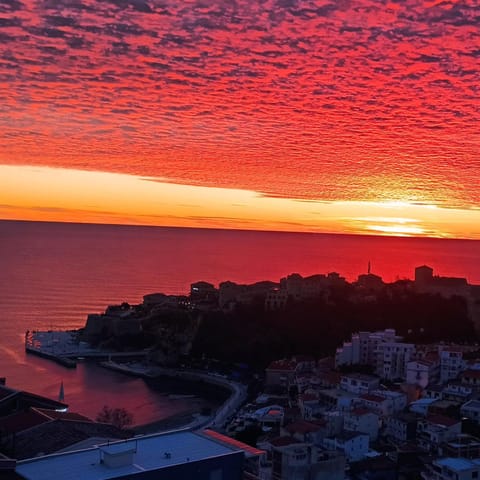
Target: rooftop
{"type": "Point", "coordinates": [150, 453]}
{"type": "Point", "coordinates": [458, 464]}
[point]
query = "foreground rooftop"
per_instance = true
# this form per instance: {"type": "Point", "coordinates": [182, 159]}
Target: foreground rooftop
{"type": "Point", "coordinates": [129, 457]}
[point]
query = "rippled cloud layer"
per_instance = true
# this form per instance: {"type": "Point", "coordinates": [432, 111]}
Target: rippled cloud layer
{"type": "Point", "coordinates": [330, 100]}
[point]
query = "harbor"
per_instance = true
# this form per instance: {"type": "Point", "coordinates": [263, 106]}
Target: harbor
{"type": "Point", "coordinates": [64, 348]}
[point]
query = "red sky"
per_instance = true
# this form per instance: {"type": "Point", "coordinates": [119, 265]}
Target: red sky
{"type": "Point", "coordinates": [371, 103]}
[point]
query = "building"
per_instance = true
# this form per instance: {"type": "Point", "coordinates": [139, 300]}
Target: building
{"type": "Point", "coordinates": [471, 377]}
{"type": "Point", "coordinates": [203, 292]}
{"type": "Point", "coordinates": [451, 363]}
{"type": "Point", "coordinates": [354, 445]}
{"type": "Point", "coordinates": [364, 348]}
{"type": "Point", "coordinates": [452, 469]}
{"type": "Point", "coordinates": [392, 359]}
{"type": "Point", "coordinates": [434, 430]}
{"type": "Point", "coordinates": [462, 445]}
{"type": "Point", "coordinates": [358, 383]}
{"type": "Point", "coordinates": [282, 373]}
{"type": "Point", "coordinates": [378, 404]}
{"type": "Point", "coordinates": [276, 299]}
{"type": "Point", "coordinates": [401, 428]}
{"type": "Point", "coordinates": [182, 455]}
{"type": "Point", "coordinates": [363, 421]}
{"type": "Point", "coordinates": [471, 410]}
{"type": "Point", "coordinates": [422, 372]}
{"type": "Point", "coordinates": [294, 460]}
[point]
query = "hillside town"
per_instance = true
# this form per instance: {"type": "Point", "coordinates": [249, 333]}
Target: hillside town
{"type": "Point", "coordinates": [383, 405]}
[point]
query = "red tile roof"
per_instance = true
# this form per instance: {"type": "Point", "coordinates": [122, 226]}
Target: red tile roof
{"type": "Point", "coordinates": [18, 422]}
{"type": "Point", "coordinates": [360, 411]}
{"type": "Point", "coordinates": [283, 441]}
{"type": "Point", "coordinates": [233, 443]}
{"type": "Point", "coordinates": [304, 427]}
{"type": "Point", "coordinates": [442, 420]}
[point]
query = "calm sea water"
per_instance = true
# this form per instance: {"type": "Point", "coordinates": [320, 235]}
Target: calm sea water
{"type": "Point", "coordinates": [52, 275]}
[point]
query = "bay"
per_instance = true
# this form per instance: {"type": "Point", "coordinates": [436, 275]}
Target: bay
{"type": "Point", "coordinates": [53, 274]}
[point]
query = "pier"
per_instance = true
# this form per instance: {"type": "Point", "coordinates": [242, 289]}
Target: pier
{"type": "Point", "coordinates": [64, 348]}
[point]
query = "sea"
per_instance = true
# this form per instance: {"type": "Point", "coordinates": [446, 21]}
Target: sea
{"type": "Point", "coordinates": [53, 274]}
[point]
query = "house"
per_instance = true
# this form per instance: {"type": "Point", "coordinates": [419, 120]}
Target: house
{"type": "Point", "coordinates": [307, 432]}
{"type": "Point", "coordinates": [359, 383]}
{"type": "Point", "coordinates": [363, 421]}
{"type": "Point", "coordinates": [452, 468]}
{"type": "Point", "coordinates": [397, 401]}
{"type": "Point", "coordinates": [435, 430]}
{"type": "Point", "coordinates": [471, 410]}
{"type": "Point", "coordinates": [422, 372]}
{"type": "Point", "coordinates": [294, 460]}
{"type": "Point", "coordinates": [471, 377]}
{"type": "Point", "coordinates": [282, 373]}
{"type": "Point", "coordinates": [336, 399]}
{"type": "Point", "coordinates": [354, 445]}
{"type": "Point", "coordinates": [462, 445]}
{"type": "Point", "coordinates": [401, 428]}
{"type": "Point", "coordinates": [378, 404]}
{"type": "Point", "coordinates": [309, 405]}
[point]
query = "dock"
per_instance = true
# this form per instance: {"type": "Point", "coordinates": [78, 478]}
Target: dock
{"type": "Point", "coordinates": [64, 348]}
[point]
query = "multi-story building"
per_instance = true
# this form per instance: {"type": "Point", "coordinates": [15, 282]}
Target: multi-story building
{"type": "Point", "coordinates": [375, 403]}
{"type": "Point", "coordinates": [401, 428]}
{"type": "Point", "coordinates": [362, 348]}
{"type": "Point", "coordinates": [452, 469]}
{"type": "Point", "coordinates": [354, 445]}
{"type": "Point", "coordinates": [435, 430]}
{"type": "Point", "coordinates": [358, 383]}
{"type": "Point", "coordinates": [294, 460]}
{"type": "Point", "coordinates": [181, 455]}
{"type": "Point", "coordinates": [363, 421]}
{"type": "Point", "coordinates": [393, 358]}
{"type": "Point", "coordinates": [451, 363]}
{"type": "Point", "coordinates": [383, 350]}
{"type": "Point", "coordinates": [422, 372]}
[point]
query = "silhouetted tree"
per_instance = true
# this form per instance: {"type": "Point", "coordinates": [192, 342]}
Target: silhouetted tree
{"type": "Point", "coordinates": [119, 417]}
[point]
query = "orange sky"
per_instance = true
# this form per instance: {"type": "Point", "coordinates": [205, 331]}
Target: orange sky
{"type": "Point", "coordinates": [354, 117]}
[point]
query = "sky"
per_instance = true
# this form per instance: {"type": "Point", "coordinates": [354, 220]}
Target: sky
{"type": "Point", "coordinates": [329, 116]}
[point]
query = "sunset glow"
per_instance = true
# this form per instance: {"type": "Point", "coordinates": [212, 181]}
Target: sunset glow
{"type": "Point", "coordinates": [352, 117]}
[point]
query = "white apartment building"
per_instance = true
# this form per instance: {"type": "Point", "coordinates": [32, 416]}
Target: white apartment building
{"type": "Point", "coordinates": [392, 359]}
{"type": "Point", "coordinates": [358, 383]}
{"type": "Point", "coordinates": [362, 347]}
{"type": "Point", "coordinates": [353, 444]}
{"type": "Point", "coordinates": [451, 364]}
{"type": "Point", "coordinates": [422, 372]}
{"type": "Point", "coordinates": [363, 421]}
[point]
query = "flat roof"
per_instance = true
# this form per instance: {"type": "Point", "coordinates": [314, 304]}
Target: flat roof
{"type": "Point", "coordinates": [152, 452]}
{"type": "Point", "coordinates": [458, 464]}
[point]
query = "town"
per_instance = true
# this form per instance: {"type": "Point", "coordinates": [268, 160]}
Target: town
{"type": "Point", "coordinates": [361, 380]}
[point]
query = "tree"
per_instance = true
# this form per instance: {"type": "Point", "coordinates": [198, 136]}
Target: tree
{"type": "Point", "coordinates": [119, 417]}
